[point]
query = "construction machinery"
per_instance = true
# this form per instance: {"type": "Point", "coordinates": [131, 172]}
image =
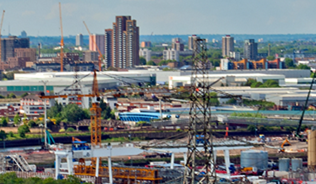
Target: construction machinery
{"type": "Point", "coordinates": [61, 42]}
{"type": "Point", "coordinates": [285, 142]}
{"type": "Point", "coordinates": [0, 32]}
{"type": "Point", "coordinates": [94, 43]}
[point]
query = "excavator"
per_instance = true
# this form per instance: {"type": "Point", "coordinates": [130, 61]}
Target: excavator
{"type": "Point", "coordinates": [286, 141]}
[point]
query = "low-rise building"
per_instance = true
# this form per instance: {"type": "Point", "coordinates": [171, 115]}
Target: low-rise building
{"type": "Point", "coordinates": [33, 104]}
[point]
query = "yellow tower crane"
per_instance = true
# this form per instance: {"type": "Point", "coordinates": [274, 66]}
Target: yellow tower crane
{"type": "Point", "coordinates": [61, 42]}
{"type": "Point", "coordinates": [0, 33]}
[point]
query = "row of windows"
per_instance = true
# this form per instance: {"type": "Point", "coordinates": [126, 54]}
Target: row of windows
{"type": "Point", "coordinates": [29, 88]}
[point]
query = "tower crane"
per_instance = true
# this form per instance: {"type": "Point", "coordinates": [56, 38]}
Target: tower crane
{"type": "Point", "coordinates": [0, 32]}
{"type": "Point", "coordinates": [94, 43]}
{"type": "Point", "coordinates": [61, 42]}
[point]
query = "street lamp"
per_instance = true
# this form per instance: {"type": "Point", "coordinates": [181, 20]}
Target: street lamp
{"type": "Point", "coordinates": [41, 126]}
{"type": "Point", "coordinates": [110, 163]}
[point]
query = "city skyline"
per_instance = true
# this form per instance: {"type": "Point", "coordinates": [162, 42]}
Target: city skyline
{"type": "Point", "coordinates": [40, 18]}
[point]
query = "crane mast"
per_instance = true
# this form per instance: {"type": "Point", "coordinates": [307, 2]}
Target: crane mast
{"type": "Point", "coordinates": [94, 43]}
{"type": "Point", "coordinates": [61, 42]}
{"type": "Point", "coordinates": [0, 34]}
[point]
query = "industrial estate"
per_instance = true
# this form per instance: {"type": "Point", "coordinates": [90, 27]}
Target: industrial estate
{"type": "Point", "coordinates": [120, 107]}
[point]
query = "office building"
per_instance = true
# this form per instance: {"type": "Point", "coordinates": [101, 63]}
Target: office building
{"type": "Point", "coordinates": [99, 40]}
{"type": "Point", "coordinates": [9, 44]}
{"type": "Point", "coordinates": [227, 45]}
{"type": "Point", "coordinates": [108, 47]}
{"type": "Point", "coordinates": [23, 34]}
{"type": "Point", "coordinates": [171, 54]}
{"type": "Point", "coordinates": [177, 44]}
{"type": "Point", "coordinates": [250, 49]}
{"type": "Point", "coordinates": [124, 43]}
{"type": "Point", "coordinates": [191, 42]}
{"type": "Point", "coordinates": [79, 40]}
{"type": "Point", "coordinates": [145, 53]}
{"type": "Point", "coordinates": [145, 44]}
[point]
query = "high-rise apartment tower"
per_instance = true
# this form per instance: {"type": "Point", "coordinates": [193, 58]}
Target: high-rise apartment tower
{"type": "Point", "coordinates": [79, 40]}
{"type": "Point", "coordinates": [250, 49]}
{"type": "Point", "coordinates": [227, 45]}
{"type": "Point", "coordinates": [123, 40]}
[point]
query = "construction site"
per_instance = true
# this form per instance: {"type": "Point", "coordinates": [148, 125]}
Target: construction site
{"type": "Point", "coordinates": [194, 153]}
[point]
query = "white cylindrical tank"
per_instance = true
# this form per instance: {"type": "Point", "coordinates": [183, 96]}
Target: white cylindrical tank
{"type": "Point", "coordinates": [254, 158]}
{"type": "Point", "coordinates": [297, 163]}
{"type": "Point", "coordinates": [284, 164]}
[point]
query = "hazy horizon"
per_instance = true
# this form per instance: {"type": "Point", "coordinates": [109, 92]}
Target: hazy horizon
{"type": "Point", "coordinates": [163, 17]}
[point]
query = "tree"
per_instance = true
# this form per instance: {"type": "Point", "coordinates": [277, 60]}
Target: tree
{"type": "Point", "coordinates": [214, 100]}
{"type": "Point", "coordinates": [250, 81]}
{"type": "Point", "coordinates": [152, 63]}
{"type": "Point", "coordinates": [55, 111]}
{"type": "Point", "coordinates": [106, 111]}
{"type": "Point", "coordinates": [4, 122]}
{"type": "Point", "coordinates": [142, 61]}
{"type": "Point", "coordinates": [22, 130]}
{"type": "Point", "coordinates": [11, 95]}
{"type": "Point", "coordinates": [289, 62]}
{"type": "Point", "coordinates": [163, 62]}
{"type": "Point", "coordinates": [251, 128]}
{"type": "Point", "coordinates": [303, 67]}
{"type": "Point", "coordinates": [73, 113]}
{"type": "Point", "coordinates": [24, 95]}
{"type": "Point", "coordinates": [70, 129]}
{"type": "Point", "coordinates": [313, 74]}
{"type": "Point", "coordinates": [16, 119]}
{"type": "Point", "coordinates": [270, 58]}
{"type": "Point", "coordinates": [111, 68]}
{"type": "Point", "coordinates": [32, 124]}
{"type": "Point", "coordinates": [3, 135]}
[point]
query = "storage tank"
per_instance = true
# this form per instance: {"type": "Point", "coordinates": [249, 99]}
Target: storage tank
{"type": "Point", "coordinates": [284, 164]}
{"type": "Point", "coordinates": [254, 158]}
{"type": "Point", "coordinates": [297, 163]}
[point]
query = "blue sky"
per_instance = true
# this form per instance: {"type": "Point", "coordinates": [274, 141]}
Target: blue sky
{"type": "Point", "coordinates": [41, 17]}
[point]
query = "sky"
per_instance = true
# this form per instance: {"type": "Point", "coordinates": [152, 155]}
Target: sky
{"type": "Point", "coordinates": [41, 17]}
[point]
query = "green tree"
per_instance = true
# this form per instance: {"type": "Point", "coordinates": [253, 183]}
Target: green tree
{"type": "Point", "coordinates": [152, 63]}
{"type": "Point", "coordinates": [11, 95]}
{"type": "Point", "coordinates": [142, 61]}
{"type": "Point", "coordinates": [289, 62]}
{"type": "Point", "coordinates": [256, 84]}
{"type": "Point", "coordinates": [214, 100]}
{"type": "Point", "coordinates": [55, 111]}
{"type": "Point", "coordinates": [313, 74]}
{"type": "Point", "coordinates": [303, 67]}
{"type": "Point", "coordinates": [4, 122]}
{"type": "Point", "coordinates": [3, 135]}
{"type": "Point", "coordinates": [1, 96]}
{"type": "Point", "coordinates": [270, 58]}
{"type": "Point", "coordinates": [70, 129]}
{"type": "Point", "coordinates": [106, 110]}
{"type": "Point", "coordinates": [231, 101]}
{"type": "Point", "coordinates": [163, 62]}
{"type": "Point", "coordinates": [22, 130]}
{"type": "Point", "coordinates": [24, 95]}
{"type": "Point", "coordinates": [16, 119]}
{"type": "Point", "coordinates": [250, 81]}
{"type": "Point", "coordinates": [31, 124]}
{"type": "Point", "coordinates": [73, 113]}
{"type": "Point", "coordinates": [251, 128]}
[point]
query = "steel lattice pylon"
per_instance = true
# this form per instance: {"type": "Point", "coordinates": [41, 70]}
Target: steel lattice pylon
{"type": "Point", "coordinates": [200, 119]}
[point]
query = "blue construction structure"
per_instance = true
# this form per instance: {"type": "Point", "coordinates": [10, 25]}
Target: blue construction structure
{"type": "Point", "coordinates": [80, 145]}
{"type": "Point", "coordinates": [141, 116]}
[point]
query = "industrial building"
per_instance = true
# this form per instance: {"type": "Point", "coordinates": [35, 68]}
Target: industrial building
{"type": "Point", "coordinates": [229, 80]}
